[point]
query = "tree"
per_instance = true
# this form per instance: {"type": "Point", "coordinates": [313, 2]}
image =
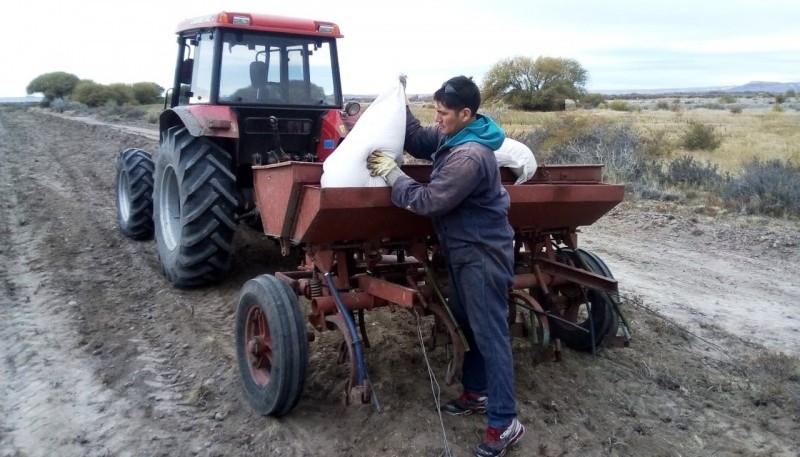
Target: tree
{"type": "Point", "coordinates": [535, 85]}
{"type": "Point", "coordinates": [53, 85]}
{"type": "Point", "coordinates": [121, 93]}
{"type": "Point", "coordinates": [147, 93]}
{"type": "Point", "coordinates": [91, 93]}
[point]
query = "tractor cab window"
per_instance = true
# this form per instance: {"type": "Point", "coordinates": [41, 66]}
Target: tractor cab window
{"type": "Point", "coordinates": [260, 68]}
{"type": "Point", "coordinates": [203, 64]}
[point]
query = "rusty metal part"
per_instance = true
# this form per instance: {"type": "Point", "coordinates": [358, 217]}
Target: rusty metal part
{"type": "Point", "coordinates": [457, 340]}
{"type": "Point", "coordinates": [259, 346]}
{"type": "Point", "coordinates": [293, 205]}
{"type": "Point", "coordinates": [337, 320]}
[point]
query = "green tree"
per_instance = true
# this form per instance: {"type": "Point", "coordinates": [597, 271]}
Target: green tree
{"type": "Point", "coordinates": [535, 85]}
{"type": "Point", "coordinates": [91, 93]}
{"type": "Point", "coordinates": [53, 85]}
{"type": "Point", "coordinates": [121, 93]}
{"type": "Point", "coordinates": [147, 93]}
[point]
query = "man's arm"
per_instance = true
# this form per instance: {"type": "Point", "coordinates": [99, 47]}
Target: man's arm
{"type": "Point", "coordinates": [453, 182]}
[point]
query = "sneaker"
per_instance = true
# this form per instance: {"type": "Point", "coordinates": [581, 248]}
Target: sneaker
{"type": "Point", "coordinates": [498, 441]}
{"type": "Point", "coordinates": [466, 404]}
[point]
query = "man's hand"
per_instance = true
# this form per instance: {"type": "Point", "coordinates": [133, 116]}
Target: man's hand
{"type": "Point", "coordinates": [383, 165]}
{"type": "Point", "coordinates": [380, 164]}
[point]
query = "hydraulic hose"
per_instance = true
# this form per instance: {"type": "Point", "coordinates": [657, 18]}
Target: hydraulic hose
{"type": "Point", "coordinates": [354, 336]}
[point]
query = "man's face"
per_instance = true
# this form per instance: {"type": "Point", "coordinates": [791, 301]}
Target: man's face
{"type": "Point", "coordinates": [451, 121]}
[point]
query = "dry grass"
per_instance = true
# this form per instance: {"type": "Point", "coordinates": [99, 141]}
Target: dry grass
{"type": "Point", "coordinates": [753, 133]}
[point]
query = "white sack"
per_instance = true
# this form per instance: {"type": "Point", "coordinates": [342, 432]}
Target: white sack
{"type": "Point", "coordinates": [518, 157]}
{"type": "Point", "coordinates": [382, 127]}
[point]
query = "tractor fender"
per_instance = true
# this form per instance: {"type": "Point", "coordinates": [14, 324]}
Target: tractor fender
{"type": "Point", "coordinates": [202, 120]}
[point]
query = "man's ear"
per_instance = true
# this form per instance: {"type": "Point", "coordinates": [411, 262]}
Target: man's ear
{"type": "Point", "coordinates": [465, 114]}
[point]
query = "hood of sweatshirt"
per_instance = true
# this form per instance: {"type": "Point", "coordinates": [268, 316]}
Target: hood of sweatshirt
{"type": "Point", "coordinates": [482, 130]}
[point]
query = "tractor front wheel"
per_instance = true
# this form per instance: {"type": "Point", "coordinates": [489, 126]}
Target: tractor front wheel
{"type": "Point", "coordinates": [271, 345]}
{"type": "Point", "coordinates": [135, 193]}
{"type": "Point", "coordinates": [194, 200]}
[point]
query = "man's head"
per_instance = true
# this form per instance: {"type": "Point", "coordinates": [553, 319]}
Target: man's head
{"type": "Point", "coordinates": [457, 102]}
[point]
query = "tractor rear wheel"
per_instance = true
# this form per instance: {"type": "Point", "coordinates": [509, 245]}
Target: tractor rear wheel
{"type": "Point", "coordinates": [194, 200]}
{"type": "Point", "coordinates": [271, 345]}
{"type": "Point", "coordinates": [135, 193]}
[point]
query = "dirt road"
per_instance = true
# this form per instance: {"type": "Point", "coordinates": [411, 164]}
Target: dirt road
{"type": "Point", "coordinates": [100, 356]}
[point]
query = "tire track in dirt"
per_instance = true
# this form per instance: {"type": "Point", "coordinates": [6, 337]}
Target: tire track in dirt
{"type": "Point", "coordinates": [743, 291]}
{"type": "Point", "coordinates": [43, 390]}
{"type": "Point", "coordinates": [57, 219]}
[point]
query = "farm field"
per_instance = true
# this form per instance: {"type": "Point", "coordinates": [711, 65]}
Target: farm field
{"type": "Point", "coordinates": [100, 356]}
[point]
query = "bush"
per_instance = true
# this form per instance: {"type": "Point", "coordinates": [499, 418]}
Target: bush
{"type": "Point", "coordinates": [736, 110]}
{"type": "Point", "coordinates": [590, 101]}
{"type": "Point", "coordinates": [700, 136]}
{"type": "Point", "coordinates": [618, 105]}
{"type": "Point", "coordinates": [617, 145]}
{"type": "Point", "coordinates": [61, 105]}
{"type": "Point", "coordinates": [121, 93]}
{"type": "Point", "coordinates": [727, 99]}
{"type": "Point", "coordinates": [780, 98]}
{"type": "Point", "coordinates": [711, 105]}
{"type": "Point", "coordinates": [113, 109]}
{"type": "Point", "coordinates": [663, 105]}
{"type": "Point", "coordinates": [766, 187]}
{"type": "Point", "coordinates": [686, 170]}
{"type": "Point", "coordinates": [146, 93]}
{"type": "Point", "coordinates": [90, 93]}
{"type": "Point", "coordinates": [777, 108]}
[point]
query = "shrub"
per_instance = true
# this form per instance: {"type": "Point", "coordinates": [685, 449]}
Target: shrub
{"type": "Point", "coordinates": [791, 93]}
{"type": "Point", "coordinates": [90, 93]}
{"type": "Point", "coordinates": [152, 116]}
{"type": "Point", "coordinates": [115, 110]}
{"type": "Point", "coordinates": [146, 93]}
{"type": "Point", "coordinates": [736, 110]}
{"type": "Point", "coordinates": [617, 145]}
{"type": "Point", "coordinates": [688, 171]}
{"type": "Point", "coordinates": [61, 105]}
{"type": "Point", "coordinates": [777, 108]}
{"type": "Point", "coordinates": [727, 99]}
{"type": "Point", "coordinates": [780, 98]}
{"type": "Point", "coordinates": [121, 93]}
{"type": "Point", "coordinates": [590, 101]}
{"type": "Point", "coordinates": [700, 136]}
{"type": "Point", "coordinates": [618, 105]}
{"type": "Point", "coordinates": [662, 105]}
{"type": "Point", "coordinates": [766, 187]}
{"type": "Point", "coordinates": [710, 105]}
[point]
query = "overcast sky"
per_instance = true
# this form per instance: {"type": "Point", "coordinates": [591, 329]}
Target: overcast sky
{"type": "Point", "coordinates": [631, 44]}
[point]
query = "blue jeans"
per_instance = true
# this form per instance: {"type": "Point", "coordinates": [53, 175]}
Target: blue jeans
{"type": "Point", "coordinates": [480, 277]}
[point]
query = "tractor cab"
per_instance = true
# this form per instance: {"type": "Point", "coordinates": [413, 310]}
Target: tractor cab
{"type": "Point", "coordinates": [269, 83]}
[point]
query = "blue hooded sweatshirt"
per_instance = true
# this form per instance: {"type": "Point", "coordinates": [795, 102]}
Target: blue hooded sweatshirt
{"type": "Point", "coordinates": [465, 198]}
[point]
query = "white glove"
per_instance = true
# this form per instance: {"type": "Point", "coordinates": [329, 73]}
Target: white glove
{"type": "Point", "coordinates": [380, 164]}
{"type": "Point", "coordinates": [383, 165]}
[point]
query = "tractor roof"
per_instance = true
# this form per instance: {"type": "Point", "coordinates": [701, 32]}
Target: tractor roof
{"type": "Point", "coordinates": [262, 22]}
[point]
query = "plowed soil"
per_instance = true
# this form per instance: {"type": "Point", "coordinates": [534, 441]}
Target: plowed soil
{"type": "Point", "coordinates": [100, 356]}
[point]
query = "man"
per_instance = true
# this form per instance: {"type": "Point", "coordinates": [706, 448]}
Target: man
{"type": "Point", "coordinates": [469, 210]}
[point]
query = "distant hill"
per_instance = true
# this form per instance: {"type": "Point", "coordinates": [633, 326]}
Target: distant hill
{"type": "Point", "coordinates": [766, 86]}
{"type": "Point", "coordinates": [751, 87]}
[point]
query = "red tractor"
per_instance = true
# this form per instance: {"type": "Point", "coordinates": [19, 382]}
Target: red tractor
{"type": "Point", "coordinates": [249, 89]}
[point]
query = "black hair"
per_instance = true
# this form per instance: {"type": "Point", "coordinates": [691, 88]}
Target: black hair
{"type": "Point", "coordinates": [458, 93]}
